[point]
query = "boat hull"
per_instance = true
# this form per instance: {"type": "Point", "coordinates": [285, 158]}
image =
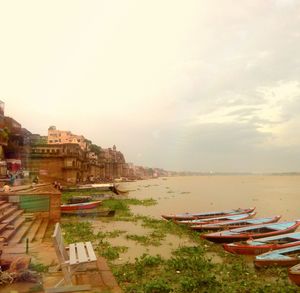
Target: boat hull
{"type": "Point", "coordinates": [222, 219]}
{"type": "Point", "coordinates": [285, 257]}
{"type": "Point", "coordinates": [90, 213]}
{"type": "Point", "coordinates": [190, 216]}
{"type": "Point", "coordinates": [294, 274]}
{"type": "Point", "coordinates": [80, 206]}
{"type": "Point", "coordinates": [256, 250]}
{"type": "Point", "coordinates": [236, 235]}
{"type": "Point", "coordinates": [281, 263]}
{"type": "Point", "coordinates": [232, 224]}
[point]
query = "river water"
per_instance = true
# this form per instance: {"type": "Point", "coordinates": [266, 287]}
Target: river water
{"type": "Point", "coordinates": [271, 195]}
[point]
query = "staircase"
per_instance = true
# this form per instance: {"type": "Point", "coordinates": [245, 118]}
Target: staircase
{"type": "Point", "coordinates": [16, 226]}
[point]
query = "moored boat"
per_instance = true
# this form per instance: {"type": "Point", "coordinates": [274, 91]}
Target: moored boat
{"type": "Point", "coordinates": [234, 224]}
{"type": "Point", "coordinates": [262, 245]}
{"type": "Point", "coordinates": [217, 219]}
{"type": "Point", "coordinates": [294, 274]}
{"type": "Point", "coordinates": [257, 231]}
{"type": "Point", "coordinates": [80, 206]}
{"type": "Point", "coordinates": [96, 187]}
{"type": "Point", "coordinates": [191, 216]}
{"type": "Point", "coordinates": [90, 213]}
{"type": "Point", "coordinates": [281, 257]}
{"type": "Point", "coordinates": [87, 187]}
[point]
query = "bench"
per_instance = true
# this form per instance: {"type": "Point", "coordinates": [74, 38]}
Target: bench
{"type": "Point", "coordinates": [79, 254]}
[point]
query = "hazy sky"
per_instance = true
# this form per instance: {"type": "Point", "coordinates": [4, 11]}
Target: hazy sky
{"type": "Point", "coordinates": [183, 85]}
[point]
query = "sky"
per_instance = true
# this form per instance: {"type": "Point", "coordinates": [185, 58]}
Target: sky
{"type": "Point", "coordinates": [182, 85]}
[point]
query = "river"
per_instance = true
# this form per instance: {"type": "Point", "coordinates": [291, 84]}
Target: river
{"type": "Point", "coordinates": [271, 195]}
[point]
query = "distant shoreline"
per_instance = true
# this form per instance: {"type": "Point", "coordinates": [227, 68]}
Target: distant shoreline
{"type": "Point", "coordinates": [236, 174]}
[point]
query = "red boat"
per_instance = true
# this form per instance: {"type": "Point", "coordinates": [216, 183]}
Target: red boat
{"type": "Point", "coordinates": [80, 206]}
{"type": "Point", "coordinates": [294, 274]}
{"type": "Point", "coordinates": [262, 245]}
{"type": "Point", "coordinates": [257, 231]}
{"type": "Point", "coordinates": [193, 216]}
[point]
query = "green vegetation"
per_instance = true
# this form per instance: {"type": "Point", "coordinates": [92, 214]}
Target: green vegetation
{"type": "Point", "coordinates": [38, 267]}
{"type": "Point", "coordinates": [189, 270]}
{"type": "Point", "coordinates": [200, 267]}
{"type": "Point", "coordinates": [95, 149]}
{"type": "Point", "coordinates": [83, 231]}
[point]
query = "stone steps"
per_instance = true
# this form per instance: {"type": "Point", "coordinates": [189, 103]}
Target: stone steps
{"type": "Point", "coordinates": [14, 229]}
{"type": "Point", "coordinates": [17, 226]}
{"type": "Point", "coordinates": [33, 230]}
{"type": "Point", "coordinates": [4, 206]}
{"type": "Point", "coordinates": [19, 235]}
{"type": "Point", "coordinates": [12, 216]}
{"type": "Point", "coordinates": [42, 230]}
{"type": "Point", "coordinates": [8, 212]}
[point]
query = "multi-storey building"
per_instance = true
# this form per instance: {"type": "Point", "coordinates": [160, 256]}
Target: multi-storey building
{"type": "Point", "coordinates": [56, 136]}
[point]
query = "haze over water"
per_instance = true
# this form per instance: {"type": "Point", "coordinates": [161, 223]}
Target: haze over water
{"type": "Point", "coordinates": [271, 195]}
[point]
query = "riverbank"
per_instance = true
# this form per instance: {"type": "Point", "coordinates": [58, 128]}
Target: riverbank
{"type": "Point", "coordinates": [148, 254]}
{"type": "Point", "coordinates": [153, 255]}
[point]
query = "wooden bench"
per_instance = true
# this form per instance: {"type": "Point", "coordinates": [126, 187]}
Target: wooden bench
{"type": "Point", "coordinates": [80, 253]}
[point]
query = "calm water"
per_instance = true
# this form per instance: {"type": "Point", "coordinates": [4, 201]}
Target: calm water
{"type": "Point", "coordinates": [271, 195]}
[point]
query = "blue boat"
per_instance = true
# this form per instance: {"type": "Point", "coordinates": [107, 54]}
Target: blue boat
{"type": "Point", "coordinates": [218, 219]}
{"type": "Point", "coordinates": [281, 257]}
{"type": "Point", "coordinates": [234, 224]}
{"type": "Point", "coordinates": [262, 245]}
{"type": "Point", "coordinates": [256, 231]}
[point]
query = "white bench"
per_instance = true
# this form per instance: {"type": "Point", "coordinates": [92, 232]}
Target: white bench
{"type": "Point", "coordinates": [80, 253]}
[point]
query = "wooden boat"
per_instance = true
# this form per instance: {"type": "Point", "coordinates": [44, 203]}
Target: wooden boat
{"type": "Point", "coordinates": [88, 198]}
{"type": "Point", "coordinates": [193, 216]}
{"type": "Point", "coordinates": [79, 199]}
{"type": "Point", "coordinates": [88, 187]}
{"type": "Point", "coordinates": [234, 224]}
{"type": "Point", "coordinates": [96, 187]}
{"type": "Point", "coordinates": [294, 274]}
{"type": "Point", "coordinates": [281, 257]}
{"type": "Point", "coordinates": [257, 231]}
{"type": "Point", "coordinates": [91, 213]}
{"type": "Point", "coordinates": [217, 219]}
{"type": "Point", "coordinates": [101, 196]}
{"type": "Point", "coordinates": [262, 245]}
{"type": "Point", "coordinates": [80, 206]}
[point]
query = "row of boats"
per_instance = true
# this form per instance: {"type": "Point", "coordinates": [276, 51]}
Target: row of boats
{"type": "Point", "coordinates": [270, 241]}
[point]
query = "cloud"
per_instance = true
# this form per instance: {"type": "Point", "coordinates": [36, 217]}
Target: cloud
{"type": "Point", "coordinates": [167, 80]}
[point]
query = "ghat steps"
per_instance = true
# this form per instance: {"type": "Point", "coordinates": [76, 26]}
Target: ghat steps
{"type": "Point", "coordinates": [16, 226]}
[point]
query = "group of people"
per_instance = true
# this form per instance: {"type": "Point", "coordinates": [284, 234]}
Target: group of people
{"type": "Point", "coordinates": [57, 185]}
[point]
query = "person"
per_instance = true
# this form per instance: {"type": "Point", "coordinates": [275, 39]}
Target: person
{"type": "Point", "coordinates": [6, 188]}
{"type": "Point", "coordinates": [36, 180]}
{"type": "Point", "coordinates": [12, 179]}
{"type": "Point", "coordinates": [59, 187]}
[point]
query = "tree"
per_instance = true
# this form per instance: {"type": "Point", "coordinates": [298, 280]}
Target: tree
{"type": "Point", "coordinates": [95, 149]}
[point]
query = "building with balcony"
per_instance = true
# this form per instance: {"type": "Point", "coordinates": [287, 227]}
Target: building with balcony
{"type": "Point", "coordinates": [64, 162]}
